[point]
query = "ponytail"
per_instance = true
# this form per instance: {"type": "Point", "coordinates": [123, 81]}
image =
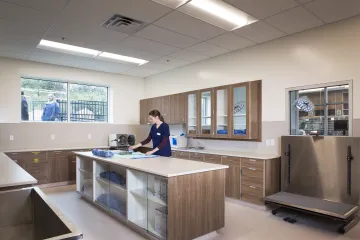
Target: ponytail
{"type": "Point", "coordinates": [156, 113]}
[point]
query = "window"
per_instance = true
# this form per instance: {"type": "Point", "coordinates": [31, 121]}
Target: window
{"type": "Point", "coordinates": [43, 100]}
{"type": "Point", "coordinates": [330, 113]}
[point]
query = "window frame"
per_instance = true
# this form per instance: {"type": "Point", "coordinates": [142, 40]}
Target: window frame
{"type": "Point", "coordinates": [321, 85]}
{"type": "Point", "coordinates": [109, 116]}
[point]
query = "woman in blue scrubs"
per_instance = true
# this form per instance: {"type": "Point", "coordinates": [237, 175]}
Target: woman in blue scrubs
{"type": "Point", "coordinates": [159, 134]}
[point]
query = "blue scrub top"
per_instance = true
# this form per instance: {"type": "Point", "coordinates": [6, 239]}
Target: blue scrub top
{"type": "Point", "coordinates": [157, 135]}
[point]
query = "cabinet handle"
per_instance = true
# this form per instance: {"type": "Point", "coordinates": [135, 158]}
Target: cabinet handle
{"type": "Point", "coordinates": [74, 161]}
{"type": "Point", "coordinates": [224, 157]}
{"type": "Point", "coordinates": [14, 154]}
{"type": "Point", "coordinates": [252, 187]}
{"type": "Point", "coordinates": [16, 161]}
{"type": "Point", "coordinates": [37, 171]}
{"type": "Point", "coordinates": [253, 169]}
{"type": "Point", "coordinates": [252, 160]}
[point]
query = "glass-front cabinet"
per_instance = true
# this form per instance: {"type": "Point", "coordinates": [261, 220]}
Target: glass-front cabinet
{"type": "Point", "coordinates": [206, 112]}
{"type": "Point", "coordinates": [239, 110]}
{"type": "Point", "coordinates": [192, 120]}
{"type": "Point", "coordinates": [221, 119]}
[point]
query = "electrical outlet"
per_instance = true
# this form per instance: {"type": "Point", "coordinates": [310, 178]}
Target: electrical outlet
{"type": "Point", "coordinates": [52, 137]}
{"type": "Point", "coordinates": [11, 137]}
{"type": "Point", "coordinates": [268, 142]}
{"type": "Point", "coordinates": [89, 136]}
{"type": "Point", "coordinates": [272, 142]}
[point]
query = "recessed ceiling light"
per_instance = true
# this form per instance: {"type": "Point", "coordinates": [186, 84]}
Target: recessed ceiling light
{"type": "Point", "coordinates": [117, 58]}
{"type": "Point", "coordinates": [171, 3]}
{"type": "Point", "coordinates": [86, 52]}
{"type": "Point", "coordinates": [218, 13]}
{"type": "Point", "coordinates": [69, 49]}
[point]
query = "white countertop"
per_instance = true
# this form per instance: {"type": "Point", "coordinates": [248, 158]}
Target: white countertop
{"type": "Point", "coordinates": [12, 174]}
{"type": "Point", "coordinates": [51, 149]}
{"type": "Point", "coordinates": [162, 166]}
{"type": "Point", "coordinates": [262, 156]}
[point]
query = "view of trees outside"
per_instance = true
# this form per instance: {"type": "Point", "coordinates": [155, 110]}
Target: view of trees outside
{"type": "Point", "coordinates": [87, 103]}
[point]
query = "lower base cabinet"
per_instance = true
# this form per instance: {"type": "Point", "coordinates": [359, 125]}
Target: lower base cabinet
{"type": "Point", "coordinates": [232, 183]}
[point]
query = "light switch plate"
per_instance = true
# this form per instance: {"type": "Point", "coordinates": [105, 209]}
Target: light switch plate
{"type": "Point", "coordinates": [272, 142]}
{"type": "Point", "coordinates": [89, 136]}
{"type": "Point", "coordinates": [268, 142]}
{"type": "Point", "coordinates": [11, 137]}
{"type": "Point", "coordinates": [52, 137]}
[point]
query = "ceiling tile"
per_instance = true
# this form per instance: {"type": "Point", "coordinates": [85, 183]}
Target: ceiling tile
{"type": "Point", "coordinates": [295, 20]}
{"type": "Point", "coordinates": [15, 43]}
{"type": "Point", "coordinates": [172, 61]}
{"type": "Point", "coordinates": [334, 10]}
{"type": "Point", "coordinates": [135, 42]}
{"type": "Point", "coordinates": [189, 56]}
{"type": "Point", "coordinates": [16, 55]}
{"type": "Point", "coordinates": [167, 37]}
{"type": "Point", "coordinates": [43, 5]}
{"type": "Point", "coordinates": [141, 72]}
{"type": "Point", "coordinates": [187, 25]}
{"type": "Point", "coordinates": [263, 8]}
{"type": "Point", "coordinates": [171, 3]}
{"type": "Point", "coordinates": [23, 29]}
{"type": "Point", "coordinates": [23, 15]}
{"type": "Point", "coordinates": [231, 41]}
{"type": "Point", "coordinates": [259, 32]}
{"type": "Point", "coordinates": [208, 49]}
{"type": "Point", "coordinates": [157, 67]}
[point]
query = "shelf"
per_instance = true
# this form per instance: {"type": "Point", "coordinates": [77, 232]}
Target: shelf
{"type": "Point", "coordinates": [241, 124]}
{"type": "Point", "coordinates": [117, 186]}
{"type": "Point", "coordinates": [84, 171]}
{"type": "Point", "coordinates": [222, 115]}
{"type": "Point", "coordinates": [206, 117]}
{"type": "Point", "coordinates": [151, 197]}
{"type": "Point", "coordinates": [141, 223]}
{"type": "Point", "coordinates": [240, 115]}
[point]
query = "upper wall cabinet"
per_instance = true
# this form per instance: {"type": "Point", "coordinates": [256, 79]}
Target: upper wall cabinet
{"type": "Point", "coordinates": [225, 112]}
{"type": "Point", "coordinates": [222, 112]}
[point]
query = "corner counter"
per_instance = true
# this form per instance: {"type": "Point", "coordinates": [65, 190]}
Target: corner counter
{"type": "Point", "coordinates": [12, 175]}
{"type": "Point", "coordinates": [161, 198]}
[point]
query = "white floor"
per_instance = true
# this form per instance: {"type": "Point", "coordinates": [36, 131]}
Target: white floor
{"type": "Point", "coordinates": [242, 222]}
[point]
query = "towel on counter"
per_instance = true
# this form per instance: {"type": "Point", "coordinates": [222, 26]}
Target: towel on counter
{"type": "Point", "coordinates": [114, 177]}
{"type": "Point", "coordinates": [113, 202]}
{"type": "Point", "coordinates": [102, 153]}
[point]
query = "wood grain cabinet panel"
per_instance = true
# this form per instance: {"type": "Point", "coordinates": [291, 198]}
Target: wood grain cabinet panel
{"type": "Point", "coordinates": [196, 156]}
{"type": "Point", "coordinates": [232, 185]}
{"type": "Point", "coordinates": [211, 158]}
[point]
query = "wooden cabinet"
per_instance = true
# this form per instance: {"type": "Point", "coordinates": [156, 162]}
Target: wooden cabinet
{"type": "Point", "coordinates": [233, 177]}
{"type": "Point", "coordinates": [59, 166]}
{"type": "Point", "coordinates": [181, 155]}
{"type": "Point", "coordinates": [210, 158]}
{"type": "Point", "coordinates": [245, 115]}
{"type": "Point", "coordinates": [177, 109]}
{"type": "Point", "coordinates": [196, 156]}
{"type": "Point", "coordinates": [165, 108]}
{"type": "Point", "coordinates": [221, 112]}
{"type": "Point", "coordinates": [206, 112]}
{"type": "Point", "coordinates": [144, 112]}
{"type": "Point", "coordinates": [192, 126]}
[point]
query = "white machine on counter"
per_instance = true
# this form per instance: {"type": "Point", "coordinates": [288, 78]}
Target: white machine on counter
{"type": "Point", "coordinates": [178, 141]}
{"type": "Point", "coordinates": [121, 140]}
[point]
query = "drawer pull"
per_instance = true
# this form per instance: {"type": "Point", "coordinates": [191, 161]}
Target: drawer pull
{"type": "Point", "coordinates": [252, 187]}
{"type": "Point", "coordinates": [37, 171]}
{"type": "Point", "coordinates": [74, 161]}
{"type": "Point", "coordinates": [16, 161]}
{"type": "Point", "coordinates": [212, 158]}
{"type": "Point", "coordinates": [252, 169]}
{"type": "Point", "coordinates": [252, 160]}
{"type": "Point", "coordinates": [36, 160]}
{"type": "Point", "coordinates": [14, 153]}
{"type": "Point", "coordinates": [224, 157]}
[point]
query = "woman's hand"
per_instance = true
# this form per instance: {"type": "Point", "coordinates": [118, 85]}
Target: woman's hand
{"type": "Point", "coordinates": [132, 148]}
{"type": "Point", "coordinates": [149, 153]}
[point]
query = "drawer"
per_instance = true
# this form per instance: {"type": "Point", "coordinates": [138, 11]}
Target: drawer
{"type": "Point", "coordinates": [252, 180]}
{"type": "Point", "coordinates": [42, 167]}
{"type": "Point", "coordinates": [252, 189]}
{"type": "Point", "coordinates": [231, 161]}
{"type": "Point", "coordinates": [58, 153]}
{"type": "Point", "coordinates": [252, 172]}
{"type": "Point", "coordinates": [42, 179]}
{"type": "Point", "coordinates": [252, 199]}
{"type": "Point", "coordinates": [248, 162]}
{"type": "Point", "coordinates": [35, 160]}
{"type": "Point", "coordinates": [216, 159]}
{"type": "Point", "coordinates": [183, 155]}
{"type": "Point", "coordinates": [196, 156]}
{"type": "Point", "coordinates": [16, 155]}
{"type": "Point", "coordinates": [35, 154]}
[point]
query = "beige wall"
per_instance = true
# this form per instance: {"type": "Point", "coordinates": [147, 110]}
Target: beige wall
{"type": "Point", "coordinates": [125, 91]}
{"type": "Point", "coordinates": [325, 54]}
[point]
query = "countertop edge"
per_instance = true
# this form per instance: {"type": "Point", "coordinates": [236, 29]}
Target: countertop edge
{"type": "Point", "coordinates": [220, 167]}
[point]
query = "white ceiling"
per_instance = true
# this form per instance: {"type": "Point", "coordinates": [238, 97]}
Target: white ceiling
{"type": "Point", "coordinates": [171, 39]}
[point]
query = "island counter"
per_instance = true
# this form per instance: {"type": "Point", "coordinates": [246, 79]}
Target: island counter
{"type": "Point", "coordinates": [161, 198]}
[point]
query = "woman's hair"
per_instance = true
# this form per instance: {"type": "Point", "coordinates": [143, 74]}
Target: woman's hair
{"type": "Point", "coordinates": [156, 113]}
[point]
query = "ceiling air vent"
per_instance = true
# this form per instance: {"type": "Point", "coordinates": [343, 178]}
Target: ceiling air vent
{"type": "Point", "coordinates": [123, 24]}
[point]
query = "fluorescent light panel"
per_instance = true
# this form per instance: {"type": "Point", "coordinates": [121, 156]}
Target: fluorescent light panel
{"type": "Point", "coordinates": [69, 49]}
{"type": "Point", "coordinates": [218, 13]}
{"type": "Point", "coordinates": [171, 3]}
{"type": "Point", "coordinates": [86, 52]}
{"type": "Point", "coordinates": [117, 58]}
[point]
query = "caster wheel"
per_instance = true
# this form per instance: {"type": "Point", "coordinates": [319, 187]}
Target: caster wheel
{"type": "Point", "coordinates": [273, 212]}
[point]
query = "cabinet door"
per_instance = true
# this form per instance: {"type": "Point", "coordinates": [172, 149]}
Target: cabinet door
{"type": "Point", "coordinates": [72, 167]}
{"type": "Point", "coordinates": [239, 111]}
{"type": "Point", "coordinates": [206, 113]}
{"type": "Point", "coordinates": [144, 111]}
{"type": "Point", "coordinates": [165, 108]}
{"type": "Point", "coordinates": [232, 187]}
{"type": "Point", "coordinates": [222, 109]}
{"type": "Point", "coordinates": [177, 108]}
{"type": "Point", "coordinates": [59, 169]}
{"type": "Point", "coordinates": [192, 114]}
{"type": "Point", "coordinates": [181, 108]}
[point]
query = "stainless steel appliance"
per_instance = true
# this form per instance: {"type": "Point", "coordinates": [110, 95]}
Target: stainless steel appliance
{"type": "Point", "coordinates": [318, 171]}
{"type": "Point", "coordinates": [121, 141]}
